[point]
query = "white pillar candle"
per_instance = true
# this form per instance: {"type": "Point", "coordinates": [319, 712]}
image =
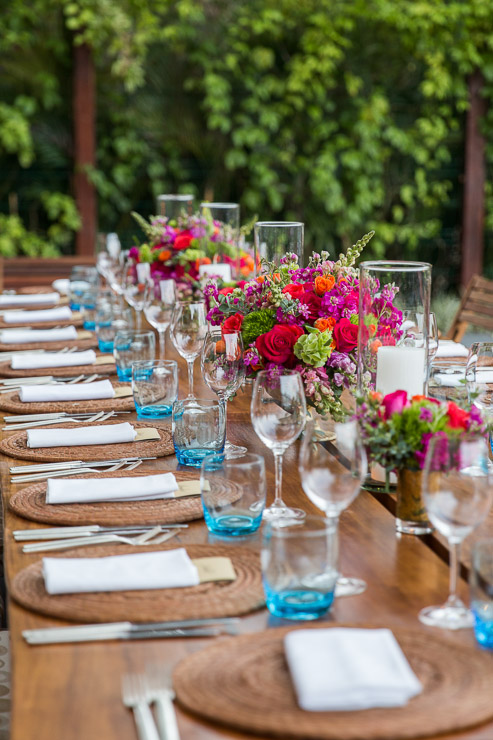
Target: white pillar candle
{"type": "Point", "coordinates": [400, 369]}
{"type": "Point", "coordinates": [218, 269]}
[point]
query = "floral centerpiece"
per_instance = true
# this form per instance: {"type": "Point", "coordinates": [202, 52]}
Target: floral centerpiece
{"type": "Point", "coordinates": [177, 248]}
{"type": "Point", "coordinates": [397, 431]}
{"type": "Point", "coordinates": [304, 319]}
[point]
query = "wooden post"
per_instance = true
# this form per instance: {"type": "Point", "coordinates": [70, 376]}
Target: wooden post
{"type": "Point", "coordinates": [84, 115]}
{"type": "Point", "coordinates": [474, 184]}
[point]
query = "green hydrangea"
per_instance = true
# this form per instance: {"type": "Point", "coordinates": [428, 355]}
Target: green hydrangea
{"type": "Point", "coordinates": [314, 348]}
{"type": "Point", "coordinates": [146, 254]}
{"type": "Point", "coordinates": [257, 323]}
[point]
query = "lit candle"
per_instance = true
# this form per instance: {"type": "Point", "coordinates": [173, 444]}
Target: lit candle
{"type": "Point", "coordinates": [400, 369]}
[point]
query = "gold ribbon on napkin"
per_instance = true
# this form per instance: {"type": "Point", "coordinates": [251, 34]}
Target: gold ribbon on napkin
{"type": "Point", "coordinates": [214, 569]}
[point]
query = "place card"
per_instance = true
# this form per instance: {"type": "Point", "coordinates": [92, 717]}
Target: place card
{"type": "Point", "coordinates": [189, 488]}
{"type": "Point", "coordinates": [122, 392]}
{"type": "Point", "coordinates": [214, 569]}
{"type": "Point", "coordinates": [104, 360]}
{"type": "Point", "coordinates": [147, 434]}
{"type": "Point", "coordinates": [81, 334]}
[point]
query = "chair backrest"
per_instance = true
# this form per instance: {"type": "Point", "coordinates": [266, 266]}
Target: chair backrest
{"type": "Point", "coordinates": [476, 307]}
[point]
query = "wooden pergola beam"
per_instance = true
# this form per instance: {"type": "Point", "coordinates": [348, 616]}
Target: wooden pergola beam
{"type": "Point", "coordinates": [84, 117]}
{"type": "Point", "coordinates": [472, 246]}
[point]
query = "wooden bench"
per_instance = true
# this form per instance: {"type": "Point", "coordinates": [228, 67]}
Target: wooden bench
{"type": "Point", "coordinates": [476, 308]}
{"type": "Point", "coordinates": [23, 272]}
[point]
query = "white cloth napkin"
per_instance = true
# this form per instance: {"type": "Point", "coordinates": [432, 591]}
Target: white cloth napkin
{"type": "Point", "coordinates": [110, 434]}
{"type": "Point", "coordinates": [348, 669]}
{"type": "Point", "coordinates": [450, 380]}
{"type": "Point", "coordinates": [52, 359]}
{"type": "Point", "coordinates": [24, 336]}
{"type": "Point", "coordinates": [76, 392]}
{"type": "Point", "coordinates": [451, 349]}
{"type": "Point", "coordinates": [171, 569]}
{"type": "Point", "coordinates": [62, 313]}
{"type": "Point", "coordinates": [31, 299]}
{"type": "Point", "coordinates": [145, 488]}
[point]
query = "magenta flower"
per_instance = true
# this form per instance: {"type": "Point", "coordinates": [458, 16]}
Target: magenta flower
{"type": "Point", "coordinates": [394, 403]}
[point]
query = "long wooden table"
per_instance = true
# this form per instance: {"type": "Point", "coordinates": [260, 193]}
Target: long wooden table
{"type": "Point", "coordinates": [70, 692]}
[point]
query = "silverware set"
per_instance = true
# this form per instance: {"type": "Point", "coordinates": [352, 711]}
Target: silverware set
{"type": "Point", "coordinates": [41, 471]}
{"type": "Point", "coordinates": [141, 536]}
{"type": "Point", "coordinates": [32, 420]}
{"type": "Point", "coordinates": [154, 687]}
{"type": "Point", "coordinates": [14, 384]}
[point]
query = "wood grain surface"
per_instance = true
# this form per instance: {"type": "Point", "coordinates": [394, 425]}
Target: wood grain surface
{"type": "Point", "coordinates": [72, 692]}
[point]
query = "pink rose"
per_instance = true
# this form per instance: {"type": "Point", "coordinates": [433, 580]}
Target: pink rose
{"type": "Point", "coordinates": [394, 403]}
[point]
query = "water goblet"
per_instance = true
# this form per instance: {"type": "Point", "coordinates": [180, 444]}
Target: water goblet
{"type": "Point", "coordinates": [332, 481]}
{"type": "Point", "coordinates": [188, 331]}
{"type": "Point", "coordinates": [278, 412]}
{"type": "Point", "coordinates": [223, 370]}
{"type": "Point", "coordinates": [82, 278]}
{"type": "Point", "coordinates": [159, 302]}
{"type": "Point", "coordinates": [457, 493]}
{"type": "Point", "coordinates": [136, 280]}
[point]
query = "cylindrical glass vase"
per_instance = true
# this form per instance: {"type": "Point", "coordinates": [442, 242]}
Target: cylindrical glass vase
{"type": "Point", "coordinates": [226, 219]}
{"type": "Point", "coordinates": [172, 206]}
{"type": "Point", "coordinates": [394, 310]}
{"type": "Point", "coordinates": [274, 239]}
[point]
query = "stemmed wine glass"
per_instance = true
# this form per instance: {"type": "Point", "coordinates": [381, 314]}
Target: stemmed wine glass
{"type": "Point", "coordinates": [159, 302]}
{"type": "Point", "coordinates": [278, 412]}
{"type": "Point", "coordinates": [479, 381]}
{"type": "Point", "coordinates": [188, 331]}
{"type": "Point", "coordinates": [457, 493]}
{"type": "Point", "coordinates": [135, 284]}
{"type": "Point", "coordinates": [332, 481]}
{"type": "Point", "coordinates": [223, 371]}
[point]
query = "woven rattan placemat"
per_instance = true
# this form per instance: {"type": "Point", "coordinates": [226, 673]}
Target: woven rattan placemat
{"type": "Point", "coordinates": [16, 446]}
{"type": "Point", "coordinates": [10, 402]}
{"type": "Point", "coordinates": [77, 321]}
{"type": "Point", "coordinates": [68, 371]}
{"type": "Point", "coordinates": [88, 343]}
{"type": "Point", "coordinates": [30, 503]}
{"type": "Point", "coordinates": [207, 600]}
{"type": "Point", "coordinates": [244, 683]}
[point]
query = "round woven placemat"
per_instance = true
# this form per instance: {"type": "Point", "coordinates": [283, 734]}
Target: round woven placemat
{"type": "Point", "coordinates": [88, 343]}
{"type": "Point", "coordinates": [30, 503]}
{"type": "Point", "coordinates": [42, 324]}
{"type": "Point", "coordinates": [16, 446]}
{"type": "Point", "coordinates": [10, 402]}
{"type": "Point", "coordinates": [62, 372]}
{"type": "Point", "coordinates": [244, 683]}
{"type": "Point", "coordinates": [207, 600]}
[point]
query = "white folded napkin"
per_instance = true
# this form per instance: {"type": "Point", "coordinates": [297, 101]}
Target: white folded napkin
{"type": "Point", "coordinates": [62, 313]}
{"type": "Point", "coordinates": [450, 380]}
{"type": "Point", "coordinates": [145, 488]}
{"type": "Point", "coordinates": [52, 359]}
{"type": "Point", "coordinates": [24, 336]}
{"type": "Point", "coordinates": [169, 569]}
{"type": "Point", "coordinates": [76, 392]}
{"type": "Point", "coordinates": [348, 669]}
{"type": "Point", "coordinates": [62, 285]}
{"type": "Point", "coordinates": [30, 299]}
{"type": "Point", "coordinates": [451, 349]}
{"type": "Point", "coordinates": [109, 434]}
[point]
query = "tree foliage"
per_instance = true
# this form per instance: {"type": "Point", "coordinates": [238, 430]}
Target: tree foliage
{"type": "Point", "coordinates": [346, 114]}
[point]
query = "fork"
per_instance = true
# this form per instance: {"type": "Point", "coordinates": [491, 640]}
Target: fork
{"type": "Point", "coordinates": [74, 471]}
{"type": "Point", "coordinates": [103, 539]}
{"type": "Point", "coordinates": [134, 697]}
{"type": "Point", "coordinates": [160, 692]}
{"type": "Point", "coordinates": [100, 416]}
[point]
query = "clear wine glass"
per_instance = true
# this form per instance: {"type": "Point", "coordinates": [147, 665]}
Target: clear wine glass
{"type": "Point", "coordinates": [135, 282]}
{"type": "Point", "coordinates": [159, 302]}
{"type": "Point", "coordinates": [457, 493]}
{"type": "Point", "coordinates": [188, 330]}
{"type": "Point", "coordinates": [224, 372]}
{"type": "Point", "coordinates": [332, 481]}
{"type": "Point", "coordinates": [479, 382]}
{"type": "Point", "coordinates": [278, 412]}
{"type": "Point", "coordinates": [432, 338]}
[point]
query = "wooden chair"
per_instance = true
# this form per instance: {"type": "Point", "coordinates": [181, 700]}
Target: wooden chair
{"type": "Point", "coordinates": [476, 307]}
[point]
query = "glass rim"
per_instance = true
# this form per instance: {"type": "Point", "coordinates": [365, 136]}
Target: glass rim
{"type": "Point", "coordinates": [279, 224]}
{"type": "Point", "coordinates": [154, 363]}
{"type": "Point", "coordinates": [190, 303]}
{"type": "Point", "coordinates": [136, 332]}
{"type": "Point", "coordinates": [286, 372]}
{"type": "Point", "coordinates": [288, 530]}
{"type": "Point", "coordinates": [395, 266]}
{"type": "Point", "coordinates": [182, 197]}
{"type": "Point", "coordinates": [236, 461]}
{"type": "Point", "coordinates": [219, 204]}
{"type": "Point", "coordinates": [198, 401]}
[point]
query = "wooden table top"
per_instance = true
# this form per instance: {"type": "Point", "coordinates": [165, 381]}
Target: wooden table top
{"type": "Point", "coordinates": [69, 692]}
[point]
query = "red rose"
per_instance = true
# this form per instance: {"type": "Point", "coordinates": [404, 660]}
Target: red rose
{"type": "Point", "coordinates": [232, 325]}
{"type": "Point", "coordinates": [295, 291]}
{"type": "Point", "coordinates": [241, 284]}
{"type": "Point", "coordinates": [314, 303]}
{"type": "Point", "coordinates": [345, 335]}
{"type": "Point", "coordinates": [226, 291]}
{"type": "Point", "coordinates": [277, 344]}
{"type": "Point", "coordinates": [182, 241]}
{"type": "Point", "coordinates": [457, 417]}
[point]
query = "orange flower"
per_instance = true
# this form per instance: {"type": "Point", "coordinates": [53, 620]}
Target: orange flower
{"type": "Point", "coordinates": [371, 330]}
{"type": "Point", "coordinates": [323, 283]}
{"type": "Point", "coordinates": [202, 261]}
{"type": "Point", "coordinates": [260, 279]}
{"type": "Point", "coordinates": [276, 276]}
{"type": "Point", "coordinates": [375, 396]}
{"type": "Point", "coordinates": [220, 346]}
{"type": "Point", "coordinates": [333, 344]}
{"type": "Point", "coordinates": [324, 324]}
{"type": "Point", "coordinates": [375, 345]}
{"type": "Point", "coordinates": [164, 255]}
{"type": "Point", "coordinates": [419, 398]}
